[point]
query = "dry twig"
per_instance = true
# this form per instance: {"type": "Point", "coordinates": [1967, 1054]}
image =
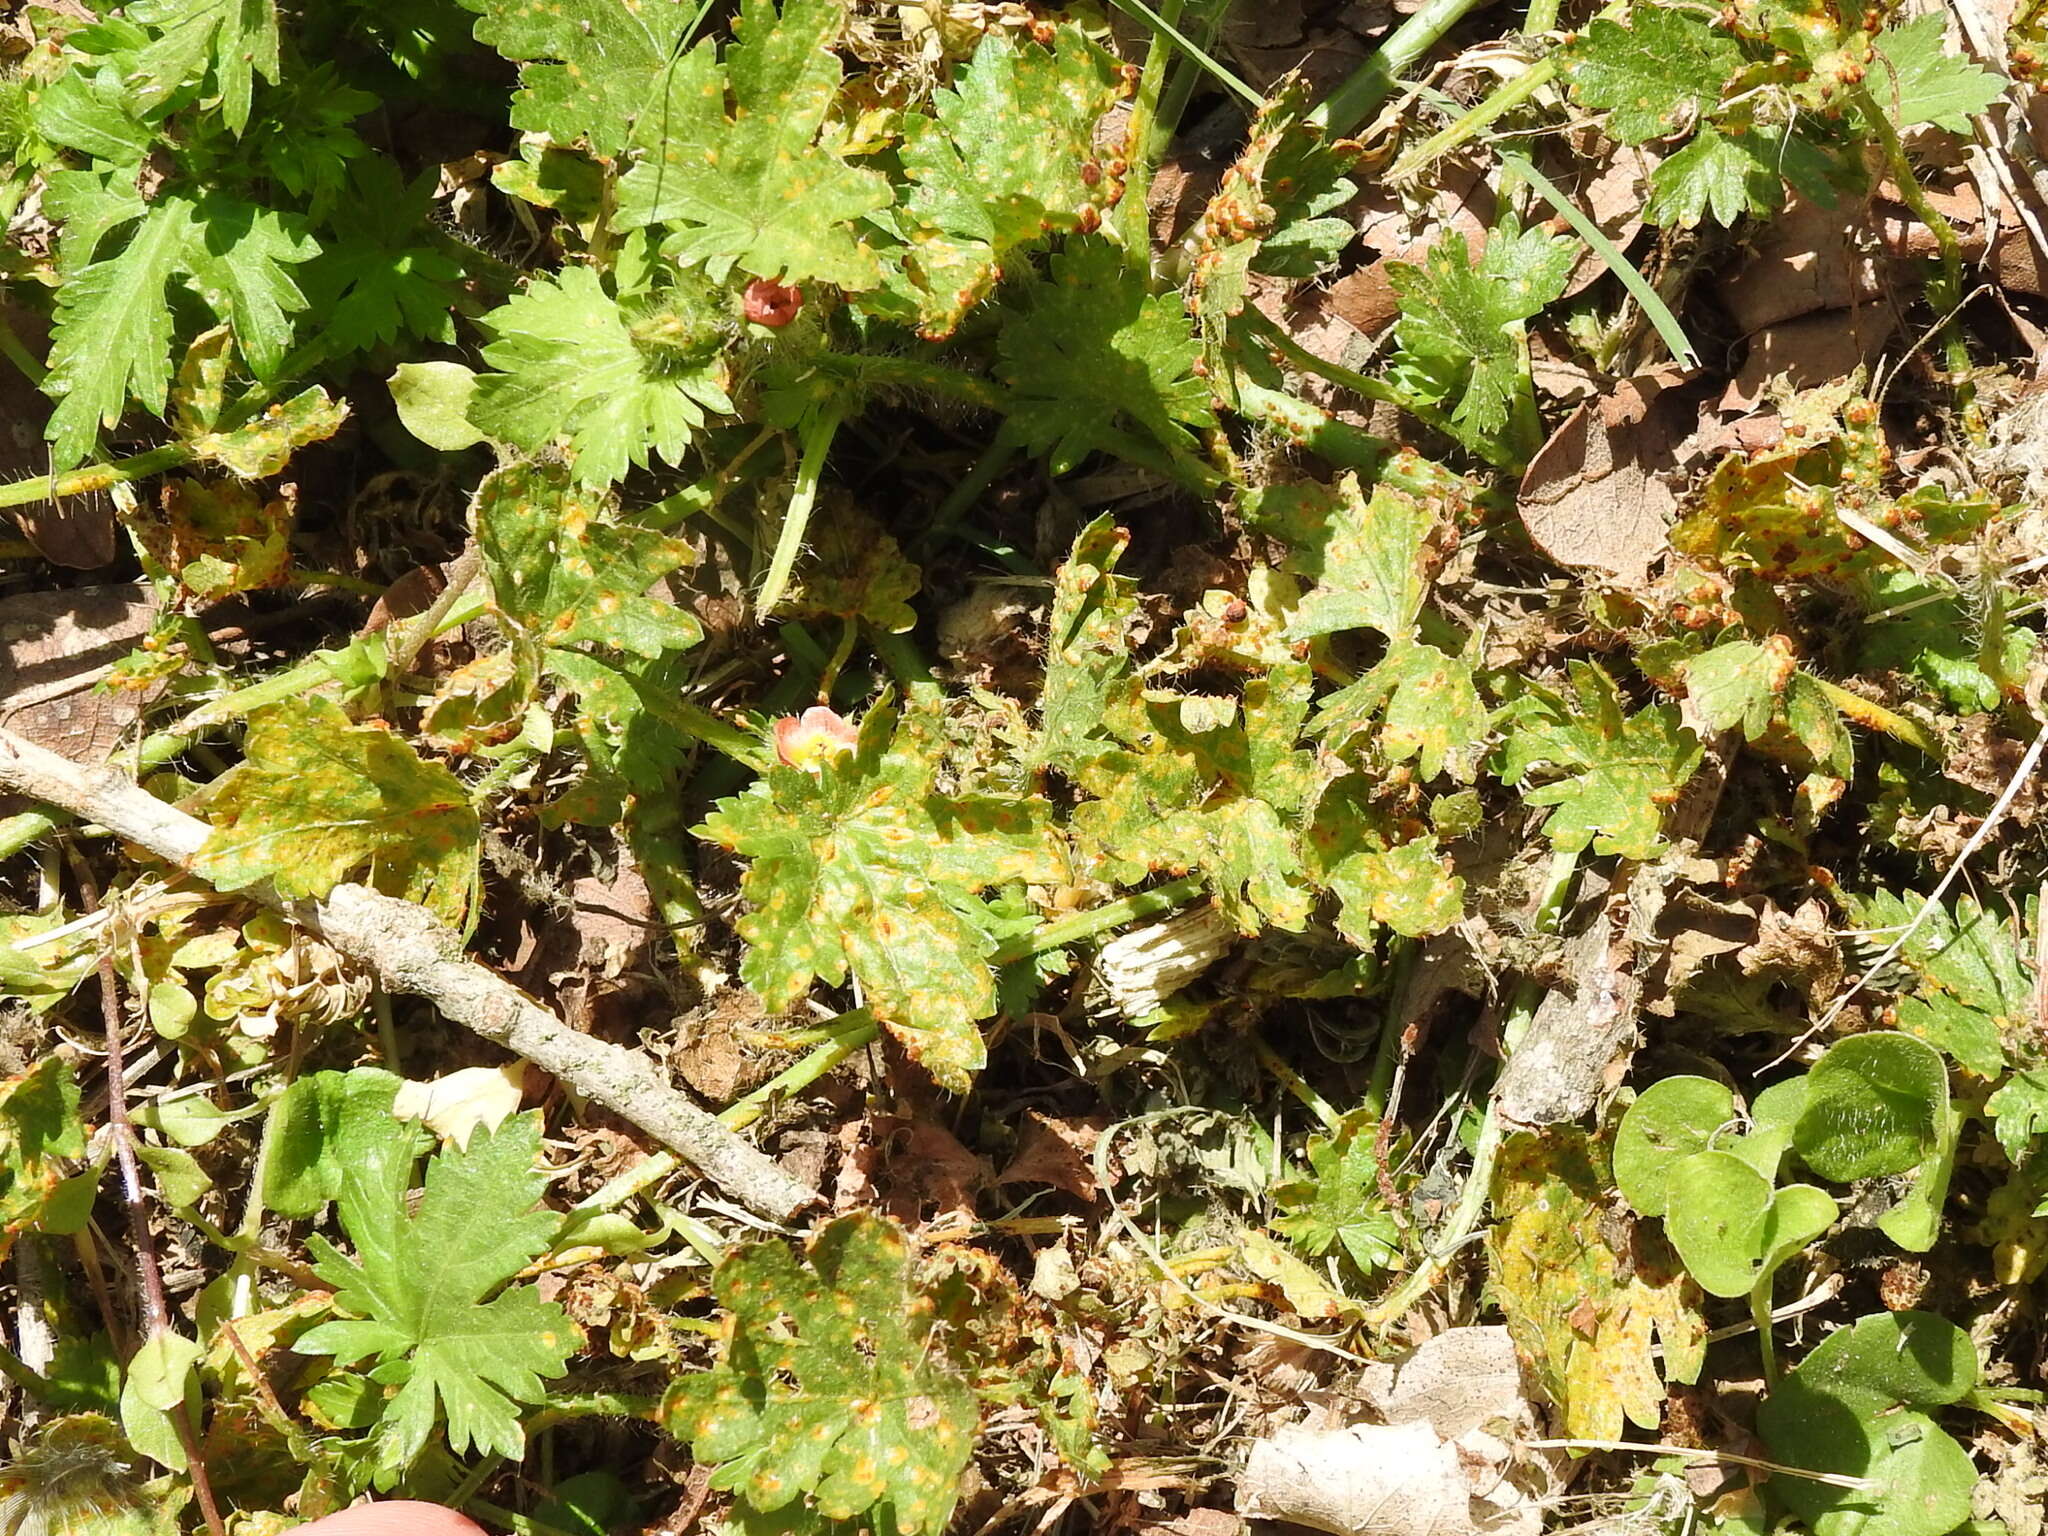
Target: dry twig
{"type": "Point", "coordinates": [409, 950]}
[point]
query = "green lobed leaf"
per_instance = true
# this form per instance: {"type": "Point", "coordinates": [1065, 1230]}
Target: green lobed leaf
{"type": "Point", "coordinates": [590, 69]}
{"type": "Point", "coordinates": [1371, 561]}
{"type": "Point", "coordinates": [2019, 1111]}
{"type": "Point", "coordinates": [432, 1292]}
{"type": "Point", "coordinates": [317, 799]}
{"type": "Point", "coordinates": [1615, 772]}
{"type": "Point", "coordinates": [754, 189]}
{"type": "Point", "coordinates": [1654, 75]}
{"type": "Point", "coordinates": [236, 40]}
{"type": "Point", "coordinates": [857, 570]}
{"type": "Point", "coordinates": [112, 340]}
{"type": "Point", "coordinates": [112, 337]}
{"type": "Point", "coordinates": [834, 1396]}
{"type": "Point", "coordinates": [860, 866]}
{"type": "Point", "coordinates": [570, 370]}
{"type": "Point", "coordinates": [1003, 159]}
{"type": "Point", "coordinates": [1724, 176]}
{"type": "Point", "coordinates": [375, 282]}
{"type": "Point", "coordinates": [1966, 950]}
{"type": "Point", "coordinates": [1937, 641]}
{"type": "Point", "coordinates": [262, 446]}
{"type": "Point", "coordinates": [1923, 82]}
{"type": "Point", "coordinates": [1341, 1206]}
{"type": "Point", "coordinates": [1465, 315]}
{"type": "Point", "coordinates": [1095, 362]}
{"type": "Point", "coordinates": [1758, 689]}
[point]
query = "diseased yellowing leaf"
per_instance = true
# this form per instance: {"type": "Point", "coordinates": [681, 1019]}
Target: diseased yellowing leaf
{"type": "Point", "coordinates": [835, 1395]}
{"type": "Point", "coordinates": [1612, 775]}
{"type": "Point", "coordinates": [752, 187]}
{"type": "Point", "coordinates": [318, 799]}
{"type": "Point", "coordinates": [1590, 1296]}
{"type": "Point", "coordinates": [859, 865]}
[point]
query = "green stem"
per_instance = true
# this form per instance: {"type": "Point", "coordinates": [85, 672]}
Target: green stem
{"type": "Point", "coordinates": [1311, 427]}
{"type": "Point", "coordinates": [845, 1035]}
{"type": "Point", "coordinates": [849, 631]}
{"type": "Point", "coordinates": [1944, 295]}
{"type": "Point", "coordinates": [1077, 926]}
{"type": "Point", "coordinates": [1002, 448]}
{"type": "Point", "coordinates": [1132, 213]}
{"type": "Point", "coordinates": [95, 477]}
{"type": "Point", "coordinates": [899, 653]}
{"type": "Point", "coordinates": [892, 371]}
{"type": "Point", "coordinates": [1542, 17]}
{"type": "Point", "coordinates": [695, 721]}
{"type": "Point", "coordinates": [1357, 97]}
{"type": "Point", "coordinates": [817, 435]}
{"type": "Point", "coordinates": [657, 832]}
{"type": "Point", "coordinates": [19, 355]}
{"type": "Point", "coordinates": [1497, 104]}
{"type": "Point", "coordinates": [1387, 1054]}
{"type": "Point", "coordinates": [17, 832]}
{"type": "Point", "coordinates": [17, 1370]}
{"type": "Point", "coordinates": [1294, 1083]}
{"type": "Point", "coordinates": [1368, 388]}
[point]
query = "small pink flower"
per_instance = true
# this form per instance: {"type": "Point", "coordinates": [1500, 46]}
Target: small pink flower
{"type": "Point", "coordinates": [805, 743]}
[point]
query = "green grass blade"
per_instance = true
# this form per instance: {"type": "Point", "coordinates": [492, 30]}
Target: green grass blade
{"type": "Point", "coordinates": [1659, 312]}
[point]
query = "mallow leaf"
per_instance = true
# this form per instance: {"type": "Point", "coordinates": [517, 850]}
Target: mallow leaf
{"type": "Point", "coordinates": [433, 1293]}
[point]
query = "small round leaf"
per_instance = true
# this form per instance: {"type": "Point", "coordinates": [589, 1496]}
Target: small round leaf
{"type": "Point", "coordinates": [1668, 1123]}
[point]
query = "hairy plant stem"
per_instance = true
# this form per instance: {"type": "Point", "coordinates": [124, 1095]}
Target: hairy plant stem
{"type": "Point", "coordinates": [847, 1035]}
{"type": "Point", "coordinates": [12, 349]}
{"type": "Point", "coordinates": [1368, 388]}
{"type": "Point", "coordinates": [18, 1371]}
{"type": "Point", "coordinates": [1142, 142]}
{"type": "Point", "coordinates": [94, 477]}
{"type": "Point", "coordinates": [1472, 1199]}
{"type": "Point", "coordinates": [1874, 716]}
{"type": "Point", "coordinates": [1311, 427]}
{"type": "Point", "coordinates": [1295, 1083]}
{"type": "Point", "coordinates": [1945, 294]}
{"type": "Point", "coordinates": [816, 435]}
